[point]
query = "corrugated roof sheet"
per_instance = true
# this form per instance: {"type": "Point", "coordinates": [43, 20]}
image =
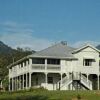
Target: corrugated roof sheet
{"type": "Point", "coordinates": [56, 51]}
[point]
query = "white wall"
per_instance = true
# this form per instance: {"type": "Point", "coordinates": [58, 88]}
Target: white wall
{"type": "Point", "coordinates": [88, 52]}
{"type": "Point", "coordinates": [41, 80]}
{"type": "Point", "coordinates": [68, 65]}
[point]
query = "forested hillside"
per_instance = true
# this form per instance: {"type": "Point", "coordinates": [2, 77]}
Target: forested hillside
{"type": "Point", "coordinates": [8, 55]}
{"type": "Point", "coordinates": [98, 47]}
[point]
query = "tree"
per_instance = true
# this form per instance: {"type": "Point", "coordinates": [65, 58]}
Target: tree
{"type": "Point", "coordinates": [5, 83]}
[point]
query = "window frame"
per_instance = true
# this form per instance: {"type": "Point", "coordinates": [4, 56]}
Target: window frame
{"type": "Point", "coordinates": [38, 61]}
{"type": "Point", "coordinates": [87, 62]}
{"type": "Point", "coordinates": [53, 61]}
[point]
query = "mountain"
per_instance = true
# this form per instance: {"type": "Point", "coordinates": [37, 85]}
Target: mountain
{"type": "Point", "coordinates": [8, 55]}
{"type": "Point", "coordinates": [98, 47]}
{"type": "Point", "coordinates": [4, 49]}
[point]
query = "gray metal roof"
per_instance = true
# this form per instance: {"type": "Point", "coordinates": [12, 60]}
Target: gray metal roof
{"type": "Point", "coordinates": [59, 50]}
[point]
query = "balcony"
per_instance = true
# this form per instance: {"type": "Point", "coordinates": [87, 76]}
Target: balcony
{"type": "Point", "coordinates": [53, 67]}
{"type": "Point", "coordinates": [38, 66]}
{"type": "Point", "coordinates": [50, 67]}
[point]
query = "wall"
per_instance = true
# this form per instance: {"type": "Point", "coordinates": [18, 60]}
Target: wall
{"type": "Point", "coordinates": [87, 52]}
{"type": "Point", "coordinates": [41, 80]}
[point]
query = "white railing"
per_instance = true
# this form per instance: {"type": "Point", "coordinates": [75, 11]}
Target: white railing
{"type": "Point", "coordinates": [38, 66]}
{"type": "Point", "coordinates": [48, 68]}
{"type": "Point", "coordinates": [65, 81]}
{"type": "Point", "coordinates": [53, 67]}
{"type": "Point", "coordinates": [85, 82]}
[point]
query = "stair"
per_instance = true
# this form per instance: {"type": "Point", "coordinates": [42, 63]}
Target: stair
{"type": "Point", "coordinates": [82, 80]}
{"type": "Point", "coordinates": [76, 85]}
{"type": "Point", "coordinates": [79, 82]}
{"type": "Point", "coordinates": [87, 84]}
{"type": "Point", "coordinates": [65, 82]}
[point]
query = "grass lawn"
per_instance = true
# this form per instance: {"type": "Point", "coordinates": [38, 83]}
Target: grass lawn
{"type": "Point", "coordinates": [40, 94]}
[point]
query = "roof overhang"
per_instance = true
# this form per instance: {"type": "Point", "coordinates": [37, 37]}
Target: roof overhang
{"type": "Point", "coordinates": [88, 57]}
{"type": "Point", "coordinates": [31, 56]}
{"type": "Point", "coordinates": [88, 45]}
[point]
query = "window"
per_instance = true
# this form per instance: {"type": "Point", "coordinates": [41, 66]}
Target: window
{"type": "Point", "coordinates": [38, 61]}
{"type": "Point", "coordinates": [50, 80]}
{"type": "Point", "coordinates": [87, 62]}
{"type": "Point", "coordinates": [53, 61]}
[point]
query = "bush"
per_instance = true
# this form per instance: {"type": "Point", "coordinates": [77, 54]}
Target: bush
{"type": "Point", "coordinates": [78, 97]}
{"type": "Point", "coordinates": [37, 89]}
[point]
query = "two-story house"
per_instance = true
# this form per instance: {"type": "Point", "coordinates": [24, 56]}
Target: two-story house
{"type": "Point", "coordinates": [57, 67]}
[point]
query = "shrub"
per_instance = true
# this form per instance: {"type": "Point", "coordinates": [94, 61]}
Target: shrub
{"type": "Point", "coordinates": [37, 89]}
{"type": "Point", "coordinates": [78, 97]}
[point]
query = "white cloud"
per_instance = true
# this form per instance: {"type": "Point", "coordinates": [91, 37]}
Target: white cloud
{"type": "Point", "coordinates": [18, 35]}
{"type": "Point", "coordinates": [81, 43]}
{"type": "Point", "coordinates": [21, 35]}
{"type": "Point", "coordinates": [25, 40]}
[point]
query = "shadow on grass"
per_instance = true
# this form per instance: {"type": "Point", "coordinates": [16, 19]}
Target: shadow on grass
{"type": "Point", "coordinates": [35, 97]}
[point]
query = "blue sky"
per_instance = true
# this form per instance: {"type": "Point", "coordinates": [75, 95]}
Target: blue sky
{"type": "Point", "coordinates": [40, 23]}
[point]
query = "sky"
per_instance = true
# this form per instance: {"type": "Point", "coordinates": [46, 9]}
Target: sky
{"type": "Point", "coordinates": [38, 24]}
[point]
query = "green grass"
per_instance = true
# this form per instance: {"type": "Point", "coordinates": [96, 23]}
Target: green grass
{"type": "Point", "coordinates": [40, 94]}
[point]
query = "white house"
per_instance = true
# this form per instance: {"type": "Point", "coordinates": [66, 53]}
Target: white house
{"type": "Point", "coordinates": [57, 67]}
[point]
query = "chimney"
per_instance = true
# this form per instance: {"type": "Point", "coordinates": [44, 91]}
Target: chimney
{"type": "Point", "coordinates": [64, 42]}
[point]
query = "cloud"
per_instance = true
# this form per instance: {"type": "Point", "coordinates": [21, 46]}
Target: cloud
{"type": "Point", "coordinates": [13, 27]}
{"type": "Point", "coordinates": [21, 35]}
{"type": "Point", "coordinates": [81, 43]}
{"type": "Point", "coordinates": [12, 24]}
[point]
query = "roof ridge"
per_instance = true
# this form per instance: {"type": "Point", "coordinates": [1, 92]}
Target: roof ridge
{"type": "Point", "coordinates": [48, 47]}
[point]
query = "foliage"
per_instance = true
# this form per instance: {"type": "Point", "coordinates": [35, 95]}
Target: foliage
{"type": "Point", "coordinates": [40, 94]}
{"type": "Point", "coordinates": [5, 83]}
{"type": "Point", "coordinates": [98, 47]}
{"type": "Point", "coordinates": [8, 56]}
{"type": "Point", "coordinates": [78, 97]}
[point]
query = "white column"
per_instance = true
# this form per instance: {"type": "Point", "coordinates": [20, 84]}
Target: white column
{"type": "Point", "coordinates": [29, 80]}
{"type": "Point", "coordinates": [23, 81]}
{"type": "Point", "coordinates": [45, 64]}
{"type": "Point", "coordinates": [61, 65]}
{"type": "Point", "coordinates": [46, 81]}
{"type": "Point", "coordinates": [30, 61]}
{"type": "Point", "coordinates": [17, 82]}
{"type": "Point", "coordinates": [26, 80]}
{"type": "Point", "coordinates": [61, 81]}
{"type": "Point", "coordinates": [20, 82]}
{"type": "Point", "coordinates": [87, 77]}
{"type": "Point", "coordinates": [71, 65]}
{"type": "Point", "coordinates": [23, 64]}
{"type": "Point", "coordinates": [98, 82]}
{"type": "Point", "coordinates": [26, 63]}
{"type": "Point", "coordinates": [12, 84]}
{"type": "Point", "coordinates": [61, 78]}
{"type": "Point", "coordinates": [9, 84]}
{"type": "Point", "coordinates": [30, 65]}
{"type": "Point", "coordinates": [67, 75]}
